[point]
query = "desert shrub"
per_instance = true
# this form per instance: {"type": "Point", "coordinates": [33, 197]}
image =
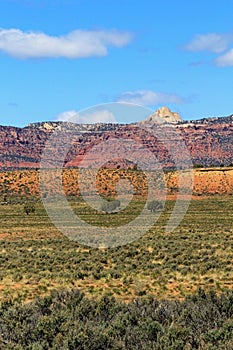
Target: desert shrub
{"type": "Point", "coordinates": [29, 208]}
{"type": "Point", "coordinates": [154, 206]}
{"type": "Point", "coordinates": [109, 206]}
{"type": "Point", "coordinates": [70, 320]}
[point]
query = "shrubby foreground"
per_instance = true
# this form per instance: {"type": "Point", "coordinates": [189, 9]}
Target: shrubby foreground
{"type": "Point", "coordinates": [70, 320]}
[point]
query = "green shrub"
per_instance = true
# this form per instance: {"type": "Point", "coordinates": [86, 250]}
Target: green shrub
{"type": "Point", "coordinates": [110, 206]}
{"type": "Point", "coordinates": [29, 208]}
{"type": "Point", "coordinates": [69, 320]}
{"type": "Point", "coordinates": [154, 206]}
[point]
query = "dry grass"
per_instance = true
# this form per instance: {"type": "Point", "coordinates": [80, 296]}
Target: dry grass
{"type": "Point", "coordinates": [36, 258]}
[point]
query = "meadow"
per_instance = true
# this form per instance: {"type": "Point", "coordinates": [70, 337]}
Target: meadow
{"type": "Point", "coordinates": [36, 258]}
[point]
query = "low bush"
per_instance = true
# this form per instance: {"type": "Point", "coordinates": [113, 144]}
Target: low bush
{"type": "Point", "coordinates": [110, 206]}
{"type": "Point", "coordinates": [69, 320]}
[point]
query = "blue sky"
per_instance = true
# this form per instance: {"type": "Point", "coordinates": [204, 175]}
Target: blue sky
{"type": "Point", "coordinates": [61, 56]}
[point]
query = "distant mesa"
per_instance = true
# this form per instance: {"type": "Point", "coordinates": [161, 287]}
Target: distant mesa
{"type": "Point", "coordinates": [163, 116]}
{"type": "Point", "coordinates": [208, 140]}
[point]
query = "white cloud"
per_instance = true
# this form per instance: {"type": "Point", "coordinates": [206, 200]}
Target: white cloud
{"type": "Point", "coordinates": [216, 43]}
{"type": "Point", "coordinates": [76, 44]}
{"type": "Point", "coordinates": [149, 98]}
{"type": "Point", "coordinates": [101, 116]}
{"type": "Point", "coordinates": [67, 115]}
{"type": "Point", "coordinates": [212, 42]}
{"type": "Point", "coordinates": [225, 60]}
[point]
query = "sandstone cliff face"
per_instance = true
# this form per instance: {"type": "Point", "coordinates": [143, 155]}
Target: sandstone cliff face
{"type": "Point", "coordinates": [206, 182]}
{"type": "Point", "coordinates": [209, 141]}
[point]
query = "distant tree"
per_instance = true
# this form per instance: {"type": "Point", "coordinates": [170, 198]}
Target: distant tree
{"type": "Point", "coordinates": [154, 206]}
{"type": "Point", "coordinates": [110, 206]}
{"type": "Point", "coordinates": [29, 208]}
{"type": "Point", "coordinates": [5, 201]}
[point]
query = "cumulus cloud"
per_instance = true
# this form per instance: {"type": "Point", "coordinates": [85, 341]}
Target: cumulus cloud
{"type": "Point", "coordinates": [67, 116]}
{"type": "Point", "coordinates": [212, 42]}
{"type": "Point", "coordinates": [76, 44]}
{"type": "Point", "coordinates": [215, 43]}
{"type": "Point", "coordinates": [149, 98]}
{"type": "Point", "coordinates": [101, 116]}
{"type": "Point", "coordinates": [225, 60]}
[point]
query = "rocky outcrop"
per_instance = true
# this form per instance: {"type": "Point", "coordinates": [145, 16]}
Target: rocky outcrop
{"type": "Point", "coordinates": [163, 116]}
